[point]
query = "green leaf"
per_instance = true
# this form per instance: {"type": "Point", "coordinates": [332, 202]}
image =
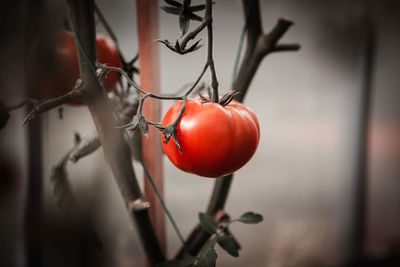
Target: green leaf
{"type": "Point", "coordinates": [208, 223]}
{"type": "Point", "coordinates": [251, 218]}
{"type": "Point", "coordinates": [208, 259]}
{"type": "Point", "coordinates": [228, 244]}
{"type": "Point", "coordinates": [171, 10]}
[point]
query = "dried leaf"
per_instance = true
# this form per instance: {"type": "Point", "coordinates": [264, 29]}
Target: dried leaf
{"type": "Point", "coordinates": [87, 146]}
{"type": "Point", "coordinates": [61, 187]}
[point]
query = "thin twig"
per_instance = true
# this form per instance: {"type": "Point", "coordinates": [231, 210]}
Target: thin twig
{"type": "Point", "coordinates": [210, 60]}
{"type": "Point", "coordinates": [264, 44]}
{"type": "Point", "coordinates": [30, 101]}
{"type": "Point", "coordinates": [109, 30]}
{"type": "Point", "coordinates": [286, 47]}
{"type": "Point", "coordinates": [105, 23]}
{"type": "Point", "coordinates": [359, 200]}
{"type": "Point", "coordinates": [74, 94]}
{"type": "Point", "coordinates": [104, 69]}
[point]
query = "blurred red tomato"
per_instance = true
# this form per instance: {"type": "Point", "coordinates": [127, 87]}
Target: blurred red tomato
{"type": "Point", "coordinates": [53, 68]}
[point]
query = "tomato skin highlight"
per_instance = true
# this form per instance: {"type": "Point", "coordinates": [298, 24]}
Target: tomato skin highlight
{"type": "Point", "coordinates": [215, 140]}
{"type": "Point", "coordinates": [53, 68]}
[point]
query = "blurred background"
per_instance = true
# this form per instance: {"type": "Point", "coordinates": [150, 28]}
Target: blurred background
{"type": "Point", "coordinates": [302, 177]}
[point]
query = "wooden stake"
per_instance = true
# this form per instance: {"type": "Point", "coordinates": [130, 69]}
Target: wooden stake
{"type": "Point", "coordinates": [147, 16]}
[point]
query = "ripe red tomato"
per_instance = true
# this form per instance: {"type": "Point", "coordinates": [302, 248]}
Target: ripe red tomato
{"type": "Point", "coordinates": [215, 140]}
{"type": "Point", "coordinates": [53, 68]}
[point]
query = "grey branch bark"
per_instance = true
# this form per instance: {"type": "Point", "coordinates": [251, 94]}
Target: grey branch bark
{"type": "Point", "coordinates": [115, 149]}
{"type": "Point", "coordinates": [258, 46]}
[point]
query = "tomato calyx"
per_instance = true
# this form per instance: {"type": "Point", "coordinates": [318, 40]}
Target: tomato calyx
{"type": "Point", "coordinates": [227, 98]}
{"type": "Point", "coordinates": [171, 131]}
{"type": "Point", "coordinates": [205, 100]}
{"type": "Point", "coordinates": [138, 121]}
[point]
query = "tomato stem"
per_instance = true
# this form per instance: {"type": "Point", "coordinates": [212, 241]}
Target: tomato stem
{"type": "Point", "coordinates": [210, 60]}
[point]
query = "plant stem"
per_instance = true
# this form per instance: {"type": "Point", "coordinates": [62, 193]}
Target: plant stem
{"type": "Point", "coordinates": [115, 148]}
{"type": "Point", "coordinates": [258, 46]}
{"type": "Point", "coordinates": [109, 31]}
{"type": "Point", "coordinates": [30, 101]}
{"type": "Point", "coordinates": [360, 187]}
{"type": "Point", "coordinates": [210, 60]}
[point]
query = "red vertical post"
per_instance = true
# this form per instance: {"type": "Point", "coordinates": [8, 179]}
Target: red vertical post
{"type": "Point", "coordinates": [147, 20]}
